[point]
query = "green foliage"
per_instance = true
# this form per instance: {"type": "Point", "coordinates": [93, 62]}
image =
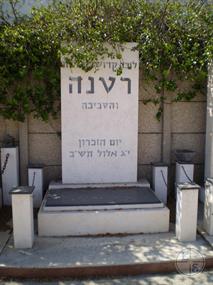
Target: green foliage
{"type": "Point", "coordinates": [174, 40]}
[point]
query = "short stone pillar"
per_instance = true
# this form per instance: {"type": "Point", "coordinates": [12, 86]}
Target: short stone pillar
{"type": "Point", "coordinates": [10, 171]}
{"type": "Point", "coordinates": [208, 207]}
{"type": "Point", "coordinates": [209, 124]}
{"type": "Point", "coordinates": [23, 223]}
{"type": "Point", "coordinates": [160, 181]}
{"type": "Point", "coordinates": [186, 211]}
{"type": "Point", "coordinates": [35, 178]}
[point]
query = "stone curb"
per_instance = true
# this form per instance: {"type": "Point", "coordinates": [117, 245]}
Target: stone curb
{"type": "Point", "coordinates": [84, 272]}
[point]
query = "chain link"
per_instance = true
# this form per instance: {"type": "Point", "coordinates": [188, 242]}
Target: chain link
{"type": "Point", "coordinates": [5, 163]}
{"type": "Point", "coordinates": [187, 176]}
{"type": "Point", "coordinates": [33, 180]}
{"type": "Point", "coordinates": [164, 179]}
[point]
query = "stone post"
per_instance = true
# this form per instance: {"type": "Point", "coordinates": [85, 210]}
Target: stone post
{"type": "Point", "coordinates": [208, 207]}
{"type": "Point", "coordinates": [23, 224]}
{"type": "Point", "coordinates": [209, 125]}
{"type": "Point", "coordinates": [186, 211]}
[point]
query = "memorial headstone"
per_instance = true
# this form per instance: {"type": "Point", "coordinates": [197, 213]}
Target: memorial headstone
{"type": "Point", "coordinates": [100, 121]}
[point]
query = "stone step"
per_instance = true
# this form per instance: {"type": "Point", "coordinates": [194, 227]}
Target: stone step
{"type": "Point", "coordinates": [71, 219]}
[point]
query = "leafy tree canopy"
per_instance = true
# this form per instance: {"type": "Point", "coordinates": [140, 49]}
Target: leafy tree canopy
{"type": "Point", "coordinates": [174, 40]}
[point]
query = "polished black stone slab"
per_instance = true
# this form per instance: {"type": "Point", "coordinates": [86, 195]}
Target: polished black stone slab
{"type": "Point", "coordinates": [101, 196]}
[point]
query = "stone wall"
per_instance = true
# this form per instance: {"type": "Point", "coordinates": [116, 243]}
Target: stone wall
{"type": "Point", "coordinates": [182, 126]}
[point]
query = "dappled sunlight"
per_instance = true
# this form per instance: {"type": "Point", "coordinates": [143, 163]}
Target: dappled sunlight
{"type": "Point", "coordinates": [108, 250]}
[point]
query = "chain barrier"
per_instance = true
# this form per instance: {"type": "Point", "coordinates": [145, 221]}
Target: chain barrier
{"type": "Point", "coordinates": [187, 176]}
{"type": "Point", "coordinates": [33, 180]}
{"type": "Point", "coordinates": [164, 179]}
{"type": "Point", "coordinates": [5, 163]}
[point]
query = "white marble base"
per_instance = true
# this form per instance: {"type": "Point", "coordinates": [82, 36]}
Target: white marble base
{"type": "Point", "coordinates": [79, 223]}
{"type": "Point", "coordinates": [108, 220]}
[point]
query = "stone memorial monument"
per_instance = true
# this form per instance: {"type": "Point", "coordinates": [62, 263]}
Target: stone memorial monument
{"type": "Point", "coordinates": [99, 191]}
{"type": "Point", "coordinates": [100, 121]}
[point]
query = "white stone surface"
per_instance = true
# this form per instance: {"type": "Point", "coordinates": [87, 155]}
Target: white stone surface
{"type": "Point", "coordinates": [10, 178]}
{"type": "Point", "coordinates": [186, 214]}
{"type": "Point", "coordinates": [60, 185]}
{"type": "Point", "coordinates": [96, 251]}
{"type": "Point", "coordinates": [208, 208]}
{"type": "Point", "coordinates": [96, 222]}
{"type": "Point", "coordinates": [23, 225]}
{"type": "Point", "coordinates": [101, 207]}
{"type": "Point", "coordinates": [209, 126]}
{"type": "Point", "coordinates": [35, 178]}
{"type": "Point", "coordinates": [160, 182]}
{"type": "Point", "coordinates": [100, 121]}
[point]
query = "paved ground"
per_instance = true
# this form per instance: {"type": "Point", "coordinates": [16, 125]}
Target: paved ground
{"type": "Point", "coordinates": [92, 251]}
{"type": "Point", "coordinates": [170, 279]}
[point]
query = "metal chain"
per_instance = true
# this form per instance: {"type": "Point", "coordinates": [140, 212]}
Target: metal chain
{"type": "Point", "coordinates": [33, 181]}
{"type": "Point", "coordinates": [187, 176]}
{"type": "Point", "coordinates": [164, 179]}
{"type": "Point", "coordinates": [5, 163]}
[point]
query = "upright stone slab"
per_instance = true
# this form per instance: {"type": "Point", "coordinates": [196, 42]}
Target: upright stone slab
{"type": "Point", "coordinates": [209, 125]}
{"type": "Point", "coordinates": [100, 121]}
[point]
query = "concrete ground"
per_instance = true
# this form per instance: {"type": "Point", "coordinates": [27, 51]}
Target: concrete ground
{"type": "Point", "coordinates": [110, 250]}
{"type": "Point", "coordinates": [204, 278]}
{"type": "Point", "coordinates": [81, 252]}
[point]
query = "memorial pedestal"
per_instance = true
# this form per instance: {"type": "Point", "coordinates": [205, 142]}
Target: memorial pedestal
{"type": "Point", "coordinates": [22, 208]}
{"type": "Point", "coordinates": [186, 211]}
{"type": "Point", "coordinates": [94, 211]}
{"type": "Point", "coordinates": [99, 111]}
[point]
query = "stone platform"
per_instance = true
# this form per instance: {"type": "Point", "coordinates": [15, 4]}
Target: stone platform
{"type": "Point", "coordinates": [100, 210]}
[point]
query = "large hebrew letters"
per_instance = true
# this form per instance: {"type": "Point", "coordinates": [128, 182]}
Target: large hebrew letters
{"type": "Point", "coordinates": [100, 121]}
